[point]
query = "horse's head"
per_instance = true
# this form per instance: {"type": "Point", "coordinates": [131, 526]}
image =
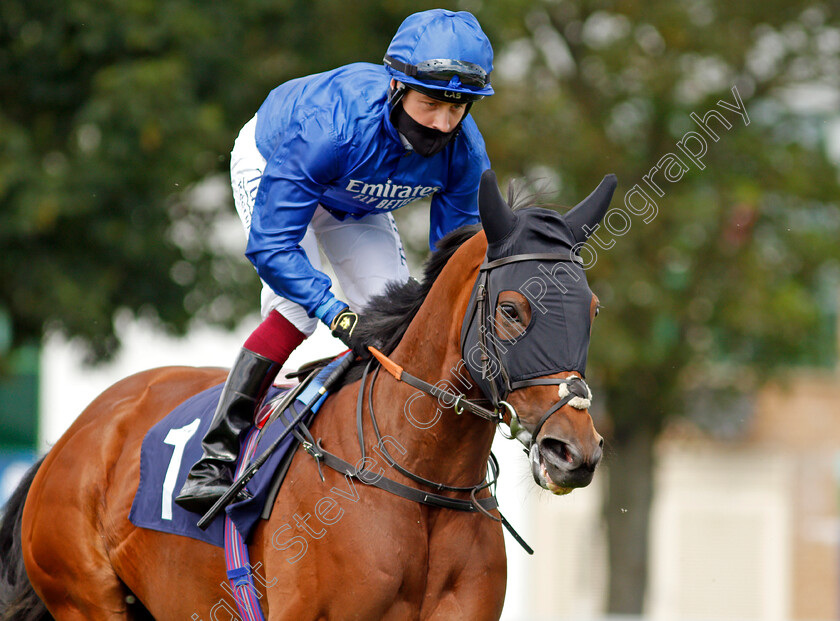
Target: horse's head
{"type": "Point", "coordinates": [526, 334]}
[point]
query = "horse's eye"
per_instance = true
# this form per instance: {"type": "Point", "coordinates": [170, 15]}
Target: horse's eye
{"type": "Point", "coordinates": [510, 312]}
{"type": "Point", "coordinates": [512, 315]}
{"type": "Point", "coordinates": [597, 310]}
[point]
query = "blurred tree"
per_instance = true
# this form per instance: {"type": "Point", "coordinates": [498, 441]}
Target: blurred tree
{"type": "Point", "coordinates": [735, 273]}
{"type": "Point", "coordinates": [113, 116]}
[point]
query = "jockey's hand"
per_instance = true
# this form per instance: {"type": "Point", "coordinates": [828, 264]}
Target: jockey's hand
{"type": "Point", "coordinates": [344, 327]}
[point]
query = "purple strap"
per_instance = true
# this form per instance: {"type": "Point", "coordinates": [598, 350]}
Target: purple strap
{"type": "Point", "coordinates": [236, 553]}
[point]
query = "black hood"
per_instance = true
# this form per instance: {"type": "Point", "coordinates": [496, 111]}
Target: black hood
{"type": "Point", "coordinates": [532, 251]}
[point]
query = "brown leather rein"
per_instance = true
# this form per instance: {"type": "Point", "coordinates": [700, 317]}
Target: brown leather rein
{"type": "Point", "coordinates": [474, 504]}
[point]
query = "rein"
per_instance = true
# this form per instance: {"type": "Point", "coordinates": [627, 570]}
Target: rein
{"type": "Point", "coordinates": [459, 403]}
{"type": "Point", "coordinates": [474, 504]}
{"type": "Point", "coordinates": [574, 386]}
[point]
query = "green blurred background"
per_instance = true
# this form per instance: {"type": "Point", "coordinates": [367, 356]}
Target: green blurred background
{"type": "Point", "coordinates": [113, 114]}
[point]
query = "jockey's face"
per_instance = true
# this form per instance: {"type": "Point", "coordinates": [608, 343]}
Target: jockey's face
{"type": "Point", "coordinates": [440, 115]}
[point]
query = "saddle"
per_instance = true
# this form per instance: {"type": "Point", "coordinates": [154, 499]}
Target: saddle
{"type": "Point", "coordinates": [171, 447]}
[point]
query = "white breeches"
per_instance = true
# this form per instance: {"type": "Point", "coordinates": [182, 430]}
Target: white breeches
{"type": "Point", "coordinates": [365, 254]}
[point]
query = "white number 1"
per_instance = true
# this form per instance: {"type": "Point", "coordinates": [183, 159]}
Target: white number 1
{"type": "Point", "coordinates": [177, 438]}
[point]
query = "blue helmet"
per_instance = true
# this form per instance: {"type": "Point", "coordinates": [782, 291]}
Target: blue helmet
{"type": "Point", "coordinates": [444, 54]}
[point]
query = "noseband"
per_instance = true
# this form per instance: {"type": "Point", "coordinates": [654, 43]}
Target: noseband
{"type": "Point", "coordinates": [575, 388]}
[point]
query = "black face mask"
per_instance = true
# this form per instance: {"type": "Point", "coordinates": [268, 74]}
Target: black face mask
{"type": "Point", "coordinates": [424, 140]}
{"type": "Point", "coordinates": [534, 252]}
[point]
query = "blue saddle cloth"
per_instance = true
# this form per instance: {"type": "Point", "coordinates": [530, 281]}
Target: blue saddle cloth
{"type": "Point", "coordinates": [171, 447]}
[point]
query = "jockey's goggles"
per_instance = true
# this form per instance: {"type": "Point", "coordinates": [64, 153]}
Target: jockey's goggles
{"type": "Point", "coordinates": [442, 70]}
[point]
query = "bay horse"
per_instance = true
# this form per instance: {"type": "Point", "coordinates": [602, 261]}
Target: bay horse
{"type": "Point", "coordinates": [509, 304]}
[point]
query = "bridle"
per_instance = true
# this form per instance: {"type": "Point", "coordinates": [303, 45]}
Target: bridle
{"type": "Point", "coordinates": [576, 388]}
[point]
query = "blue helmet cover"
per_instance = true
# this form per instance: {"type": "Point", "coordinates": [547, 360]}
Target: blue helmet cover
{"type": "Point", "coordinates": [439, 33]}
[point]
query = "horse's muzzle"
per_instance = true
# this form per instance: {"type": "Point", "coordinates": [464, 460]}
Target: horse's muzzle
{"type": "Point", "coordinates": [561, 466]}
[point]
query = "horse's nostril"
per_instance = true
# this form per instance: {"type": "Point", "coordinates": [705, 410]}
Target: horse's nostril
{"type": "Point", "coordinates": [601, 443]}
{"type": "Point", "coordinates": [557, 452]}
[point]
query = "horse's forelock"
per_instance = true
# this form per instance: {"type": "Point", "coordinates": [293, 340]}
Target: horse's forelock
{"type": "Point", "coordinates": [520, 195]}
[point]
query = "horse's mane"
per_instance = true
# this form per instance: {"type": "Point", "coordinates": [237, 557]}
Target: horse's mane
{"type": "Point", "coordinates": [383, 322]}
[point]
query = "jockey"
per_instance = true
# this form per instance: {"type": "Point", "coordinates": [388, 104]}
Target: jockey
{"type": "Point", "coordinates": [324, 161]}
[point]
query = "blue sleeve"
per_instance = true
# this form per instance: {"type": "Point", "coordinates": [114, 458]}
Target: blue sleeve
{"type": "Point", "coordinates": [295, 177]}
{"type": "Point", "coordinates": [457, 206]}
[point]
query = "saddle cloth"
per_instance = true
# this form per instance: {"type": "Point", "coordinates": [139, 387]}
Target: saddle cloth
{"type": "Point", "coordinates": [171, 447]}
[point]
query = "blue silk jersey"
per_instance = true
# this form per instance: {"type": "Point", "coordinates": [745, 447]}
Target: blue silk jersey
{"type": "Point", "coordinates": [327, 139]}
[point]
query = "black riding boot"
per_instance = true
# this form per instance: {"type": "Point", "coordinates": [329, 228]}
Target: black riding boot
{"type": "Point", "coordinates": [210, 477]}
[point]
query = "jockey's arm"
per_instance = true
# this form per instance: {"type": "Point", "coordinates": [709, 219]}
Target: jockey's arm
{"type": "Point", "coordinates": [458, 204]}
{"type": "Point", "coordinates": [295, 177]}
{"type": "Point", "coordinates": [447, 215]}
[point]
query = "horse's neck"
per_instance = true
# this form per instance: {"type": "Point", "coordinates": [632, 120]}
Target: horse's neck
{"type": "Point", "coordinates": [440, 445]}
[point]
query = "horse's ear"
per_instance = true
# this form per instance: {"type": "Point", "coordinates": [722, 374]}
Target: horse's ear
{"type": "Point", "coordinates": [497, 218]}
{"type": "Point", "coordinates": [585, 216]}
